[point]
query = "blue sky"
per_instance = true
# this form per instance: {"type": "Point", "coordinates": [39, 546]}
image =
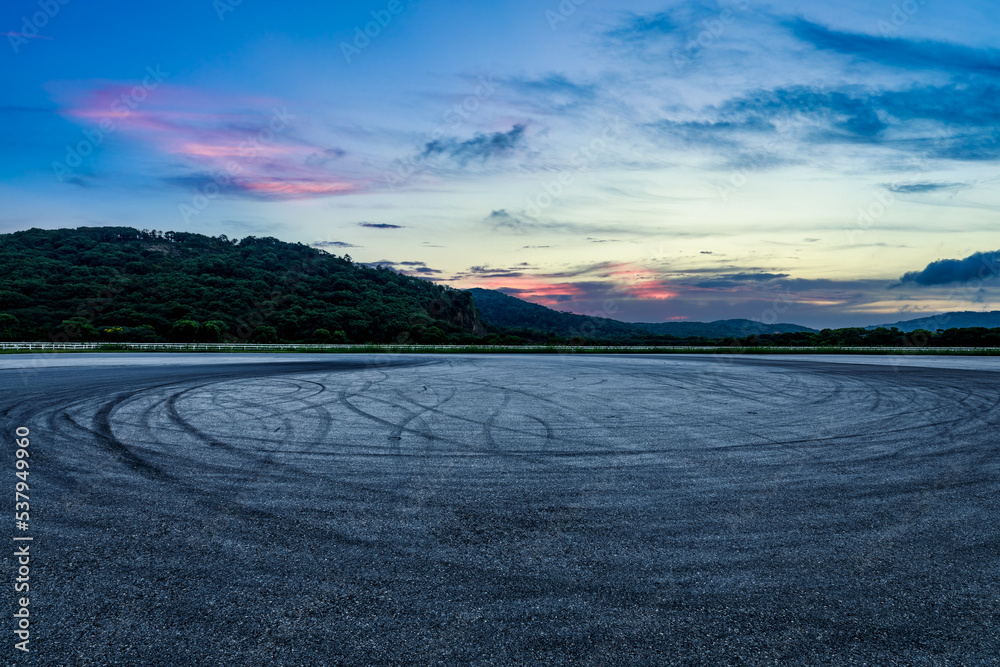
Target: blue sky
{"type": "Point", "coordinates": [829, 164]}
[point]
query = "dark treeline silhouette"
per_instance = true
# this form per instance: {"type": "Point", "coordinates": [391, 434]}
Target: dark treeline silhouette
{"type": "Point", "coordinates": [880, 337]}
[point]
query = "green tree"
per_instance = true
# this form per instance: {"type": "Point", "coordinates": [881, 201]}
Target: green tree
{"type": "Point", "coordinates": [10, 327]}
{"type": "Point", "coordinates": [185, 331]}
{"type": "Point", "coordinates": [78, 329]}
{"type": "Point", "coordinates": [265, 334]}
{"type": "Point", "coordinates": [213, 331]}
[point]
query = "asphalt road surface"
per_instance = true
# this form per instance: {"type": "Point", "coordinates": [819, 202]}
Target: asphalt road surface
{"type": "Point", "coordinates": [507, 509]}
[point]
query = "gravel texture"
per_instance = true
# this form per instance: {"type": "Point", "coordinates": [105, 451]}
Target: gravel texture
{"type": "Point", "coordinates": [508, 509]}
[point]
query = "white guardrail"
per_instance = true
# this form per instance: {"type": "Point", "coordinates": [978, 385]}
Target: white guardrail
{"type": "Point", "coordinates": [260, 347]}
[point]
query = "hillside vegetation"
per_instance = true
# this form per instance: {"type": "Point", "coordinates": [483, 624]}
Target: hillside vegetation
{"type": "Point", "coordinates": [119, 283]}
{"type": "Point", "coordinates": [954, 320]}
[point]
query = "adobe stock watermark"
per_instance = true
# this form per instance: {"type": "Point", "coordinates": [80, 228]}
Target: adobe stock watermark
{"type": "Point", "coordinates": [562, 13]}
{"type": "Point", "coordinates": [248, 150]}
{"type": "Point", "coordinates": [22, 541]}
{"type": "Point", "coordinates": [902, 14]}
{"type": "Point", "coordinates": [363, 35]}
{"type": "Point", "coordinates": [782, 302]}
{"type": "Point", "coordinates": [452, 119]}
{"type": "Point", "coordinates": [870, 214]}
{"type": "Point", "coordinates": [223, 7]}
{"type": "Point", "coordinates": [32, 25]}
{"type": "Point", "coordinates": [119, 110]}
{"type": "Point", "coordinates": [714, 29]}
{"type": "Point", "coordinates": [582, 160]}
{"type": "Point", "coordinates": [755, 162]}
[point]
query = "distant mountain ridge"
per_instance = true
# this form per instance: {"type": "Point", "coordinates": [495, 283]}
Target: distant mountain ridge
{"type": "Point", "coordinates": [953, 320]}
{"type": "Point", "coordinates": [720, 328]}
{"type": "Point", "coordinates": [502, 310]}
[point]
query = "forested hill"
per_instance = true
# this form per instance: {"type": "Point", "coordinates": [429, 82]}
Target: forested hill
{"type": "Point", "coordinates": [501, 310]}
{"type": "Point", "coordinates": [961, 320]}
{"type": "Point", "coordinates": [119, 283]}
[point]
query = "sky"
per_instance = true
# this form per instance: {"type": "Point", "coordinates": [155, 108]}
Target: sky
{"type": "Point", "coordinates": [827, 164]}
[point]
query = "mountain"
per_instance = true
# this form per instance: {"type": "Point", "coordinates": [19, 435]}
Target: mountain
{"type": "Point", "coordinates": [119, 283]}
{"type": "Point", "coordinates": [501, 310]}
{"type": "Point", "coordinates": [954, 320]}
{"type": "Point", "coordinates": [719, 328]}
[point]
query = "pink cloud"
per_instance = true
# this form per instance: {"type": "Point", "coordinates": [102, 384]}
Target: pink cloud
{"type": "Point", "coordinates": [254, 145]}
{"type": "Point", "coordinates": [298, 189]}
{"type": "Point", "coordinates": [651, 289]}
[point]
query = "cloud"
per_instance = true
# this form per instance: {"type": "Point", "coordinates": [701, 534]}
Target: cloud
{"type": "Point", "coordinates": [379, 225]}
{"type": "Point", "coordinates": [955, 121]}
{"type": "Point", "coordinates": [409, 268]}
{"type": "Point", "coordinates": [482, 147]}
{"type": "Point", "coordinates": [501, 219]}
{"type": "Point", "coordinates": [479, 272]}
{"type": "Point", "coordinates": [725, 280]}
{"type": "Point", "coordinates": [977, 266]}
{"type": "Point", "coordinates": [334, 244]}
{"type": "Point", "coordinates": [552, 94]}
{"type": "Point", "coordinates": [258, 187]}
{"type": "Point", "coordinates": [908, 54]}
{"type": "Point", "coordinates": [240, 147]}
{"type": "Point", "coordinates": [638, 27]}
{"type": "Point", "coordinates": [916, 188]}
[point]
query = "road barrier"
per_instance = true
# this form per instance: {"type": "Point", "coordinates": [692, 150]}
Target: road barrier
{"type": "Point", "coordinates": [389, 347]}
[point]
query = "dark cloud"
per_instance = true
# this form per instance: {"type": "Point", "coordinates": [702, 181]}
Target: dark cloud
{"type": "Point", "coordinates": [753, 277]}
{"type": "Point", "coordinates": [334, 244]}
{"type": "Point", "coordinates": [482, 147]}
{"type": "Point", "coordinates": [977, 266]}
{"type": "Point", "coordinates": [850, 112]}
{"type": "Point", "coordinates": [724, 280]}
{"type": "Point", "coordinates": [407, 268]}
{"type": "Point", "coordinates": [379, 225]}
{"type": "Point", "coordinates": [638, 27]}
{"type": "Point", "coordinates": [908, 54]}
{"type": "Point", "coordinates": [958, 121]}
{"type": "Point", "coordinates": [916, 188]}
{"type": "Point", "coordinates": [488, 272]}
{"type": "Point", "coordinates": [501, 219]}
